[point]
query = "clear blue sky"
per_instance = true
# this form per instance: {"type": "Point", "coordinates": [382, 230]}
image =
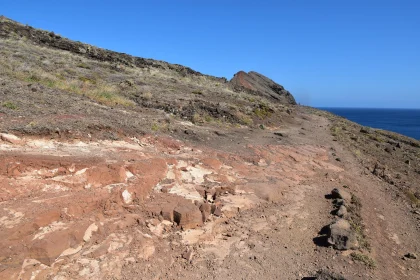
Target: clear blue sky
{"type": "Point", "coordinates": [334, 53]}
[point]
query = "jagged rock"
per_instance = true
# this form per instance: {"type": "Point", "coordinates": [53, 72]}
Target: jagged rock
{"type": "Point", "coordinates": [188, 216]}
{"type": "Point", "coordinates": [341, 194]}
{"type": "Point", "coordinates": [342, 236]}
{"type": "Point", "coordinates": [256, 83]}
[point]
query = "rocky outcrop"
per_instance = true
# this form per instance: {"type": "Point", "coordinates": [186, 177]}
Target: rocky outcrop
{"type": "Point", "coordinates": [258, 84]}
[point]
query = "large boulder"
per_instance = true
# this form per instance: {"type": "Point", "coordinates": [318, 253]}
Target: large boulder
{"type": "Point", "coordinates": [258, 84]}
{"type": "Point", "coordinates": [342, 236]}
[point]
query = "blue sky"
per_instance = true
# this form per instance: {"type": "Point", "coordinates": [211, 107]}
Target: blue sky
{"type": "Point", "coordinates": [327, 53]}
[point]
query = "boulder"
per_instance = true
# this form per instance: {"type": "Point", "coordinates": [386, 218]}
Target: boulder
{"type": "Point", "coordinates": [187, 216]}
{"type": "Point", "coordinates": [341, 235]}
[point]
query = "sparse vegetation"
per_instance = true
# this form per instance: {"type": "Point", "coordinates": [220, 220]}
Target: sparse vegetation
{"type": "Point", "coordinates": [365, 259]}
{"type": "Point", "coordinates": [244, 119]}
{"type": "Point", "coordinates": [10, 105]}
{"type": "Point", "coordinates": [83, 65]}
{"type": "Point", "coordinates": [413, 199]}
{"type": "Point", "coordinates": [263, 111]}
{"type": "Point", "coordinates": [356, 222]}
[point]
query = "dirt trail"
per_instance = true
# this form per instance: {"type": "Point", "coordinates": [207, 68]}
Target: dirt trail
{"type": "Point", "coordinates": [158, 208]}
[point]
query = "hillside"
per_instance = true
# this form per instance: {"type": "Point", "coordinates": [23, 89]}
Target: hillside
{"type": "Point", "coordinates": [71, 78]}
{"type": "Point", "coordinates": [120, 167]}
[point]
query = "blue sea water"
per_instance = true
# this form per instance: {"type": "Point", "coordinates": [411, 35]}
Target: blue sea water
{"type": "Point", "coordinates": [402, 121]}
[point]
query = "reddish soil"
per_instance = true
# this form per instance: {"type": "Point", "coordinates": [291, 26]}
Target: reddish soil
{"type": "Point", "coordinates": [159, 208]}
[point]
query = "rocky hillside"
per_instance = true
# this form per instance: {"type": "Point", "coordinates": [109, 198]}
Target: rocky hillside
{"type": "Point", "coordinates": [65, 72]}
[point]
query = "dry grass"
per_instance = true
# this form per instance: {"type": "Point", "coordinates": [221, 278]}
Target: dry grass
{"type": "Point", "coordinates": [365, 259]}
{"type": "Point", "coordinates": [10, 105]}
{"type": "Point", "coordinates": [104, 82]}
{"type": "Point", "coordinates": [67, 79]}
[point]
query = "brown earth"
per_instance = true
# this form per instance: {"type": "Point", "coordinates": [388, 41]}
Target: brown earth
{"type": "Point", "coordinates": [175, 175]}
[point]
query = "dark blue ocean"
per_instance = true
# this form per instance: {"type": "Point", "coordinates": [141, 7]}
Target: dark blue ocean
{"type": "Point", "coordinates": [402, 121]}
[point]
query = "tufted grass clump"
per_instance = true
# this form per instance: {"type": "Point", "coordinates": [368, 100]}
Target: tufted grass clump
{"type": "Point", "coordinates": [365, 259]}
{"type": "Point", "coordinates": [10, 105]}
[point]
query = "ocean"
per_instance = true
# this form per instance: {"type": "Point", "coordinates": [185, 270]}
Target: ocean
{"type": "Point", "coordinates": [402, 121]}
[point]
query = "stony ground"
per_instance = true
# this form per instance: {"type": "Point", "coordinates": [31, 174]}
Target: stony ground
{"type": "Point", "coordinates": [250, 204]}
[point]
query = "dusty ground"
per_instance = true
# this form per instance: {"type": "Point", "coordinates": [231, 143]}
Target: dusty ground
{"type": "Point", "coordinates": [103, 209]}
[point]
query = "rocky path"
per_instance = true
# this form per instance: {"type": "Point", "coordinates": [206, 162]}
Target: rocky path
{"type": "Point", "coordinates": [158, 208]}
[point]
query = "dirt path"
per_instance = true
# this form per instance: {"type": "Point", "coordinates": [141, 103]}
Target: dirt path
{"type": "Point", "coordinates": [158, 208]}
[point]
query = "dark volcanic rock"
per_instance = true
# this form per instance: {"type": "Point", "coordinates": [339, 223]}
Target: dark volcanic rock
{"type": "Point", "coordinates": [258, 84]}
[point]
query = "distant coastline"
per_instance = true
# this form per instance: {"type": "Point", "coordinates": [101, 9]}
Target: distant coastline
{"type": "Point", "coordinates": [402, 121]}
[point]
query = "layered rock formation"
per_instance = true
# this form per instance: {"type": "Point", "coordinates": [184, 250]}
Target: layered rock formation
{"type": "Point", "coordinates": [258, 84]}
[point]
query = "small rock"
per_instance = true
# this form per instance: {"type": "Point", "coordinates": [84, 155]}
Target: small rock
{"type": "Point", "coordinates": [407, 162]}
{"type": "Point", "coordinates": [411, 256]}
{"type": "Point", "coordinates": [366, 130]}
{"type": "Point", "coordinates": [188, 255]}
{"type": "Point", "coordinates": [341, 194]}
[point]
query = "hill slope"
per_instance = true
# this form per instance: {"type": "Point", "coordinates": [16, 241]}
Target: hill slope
{"type": "Point", "coordinates": [66, 73]}
{"type": "Point", "coordinates": [117, 167]}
